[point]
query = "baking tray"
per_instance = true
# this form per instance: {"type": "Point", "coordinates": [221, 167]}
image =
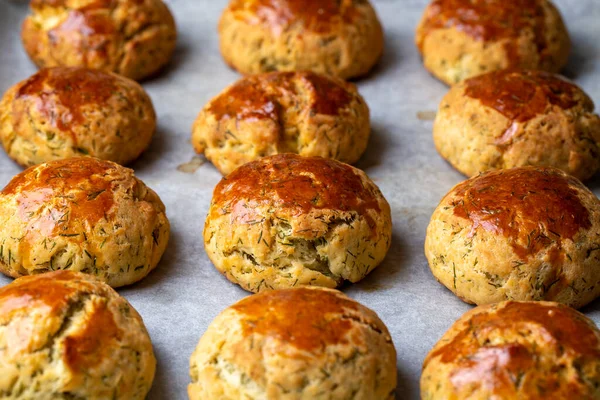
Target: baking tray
{"type": "Point", "coordinates": [180, 298]}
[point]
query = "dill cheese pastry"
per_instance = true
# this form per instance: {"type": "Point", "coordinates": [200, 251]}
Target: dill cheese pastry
{"type": "Point", "coordinates": [459, 39]}
{"type": "Point", "coordinates": [67, 112]}
{"type": "Point", "coordinates": [515, 350]}
{"type": "Point", "coordinates": [527, 233]}
{"type": "Point", "coordinates": [514, 118]}
{"type": "Point", "coordinates": [81, 214]}
{"type": "Point", "coordinates": [133, 38]}
{"type": "Point", "coordinates": [302, 343]}
{"type": "Point", "coordinates": [287, 220]}
{"type": "Point", "coordinates": [283, 112]}
{"type": "Point", "coordinates": [66, 335]}
{"type": "Point", "coordinates": [339, 38]}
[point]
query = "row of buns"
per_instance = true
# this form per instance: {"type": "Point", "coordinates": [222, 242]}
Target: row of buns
{"type": "Point", "coordinates": [522, 230]}
{"type": "Point", "coordinates": [280, 220]}
{"type": "Point", "coordinates": [67, 334]}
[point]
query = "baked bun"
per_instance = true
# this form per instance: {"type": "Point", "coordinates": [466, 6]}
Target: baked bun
{"type": "Point", "coordinates": [283, 112]}
{"type": "Point", "coordinates": [288, 220]}
{"type": "Point", "coordinates": [66, 335]}
{"type": "Point", "coordinates": [507, 119]}
{"type": "Point", "coordinates": [134, 38]}
{"type": "Point", "coordinates": [68, 112]}
{"type": "Point", "coordinates": [515, 350]}
{"type": "Point", "coordinates": [520, 234]}
{"type": "Point", "coordinates": [459, 39]}
{"type": "Point", "coordinates": [81, 214]}
{"type": "Point", "coordinates": [303, 343]}
{"type": "Point", "coordinates": [341, 38]}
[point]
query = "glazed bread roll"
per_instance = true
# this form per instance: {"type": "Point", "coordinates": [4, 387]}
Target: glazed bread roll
{"type": "Point", "coordinates": [85, 215]}
{"type": "Point", "coordinates": [283, 112]}
{"type": "Point", "coordinates": [340, 38]}
{"type": "Point", "coordinates": [525, 233]}
{"type": "Point", "coordinates": [287, 220]}
{"type": "Point", "coordinates": [515, 350]}
{"type": "Point", "coordinates": [507, 119]}
{"type": "Point", "coordinates": [304, 343]}
{"type": "Point", "coordinates": [70, 112]}
{"type": "Point", "coordinates": [66, 335]}
{"type": "Point", "coordinates": [134, 38]}
{"type": "Point", "coordinates": [459, 39]}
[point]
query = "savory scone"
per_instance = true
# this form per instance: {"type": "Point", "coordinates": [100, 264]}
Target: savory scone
{"type": "Point", "coordinates": [342, 38]}
{"type": "Point", "coordinates": [515, 350]}
{"type": "Point", "coordinates": [527, 233]}
{"type": "Point", "coordinates": [283, 112]}
{"type": "Point", "coordinates": [295, 344]}
{"type": "Point", "coordinates": [67, 112]}
{"type": "Point", "coordinates": [288, 220]}
{"type": "Point", "coordinates": [134, 38]}
{"type": "Point", "coordinates": [514, 118]}
{"type": "Point", "coordinates": [81, 214]}
{"type": "Point", "coordinates": [459, 39]}
{"type": "Point", "coordinates": [66, 335]}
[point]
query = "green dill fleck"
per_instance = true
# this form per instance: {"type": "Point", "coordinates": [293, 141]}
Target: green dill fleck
{"type": "Point", "coordinates": [454, 270]}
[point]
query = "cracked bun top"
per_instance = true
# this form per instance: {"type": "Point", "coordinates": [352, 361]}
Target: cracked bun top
{"type": "Point", "coordinates": [521, 95]}
{"type": "Point", "coordinates": [81, 214]}
{"type": "Point", "coordinates": [65, 333]}
{"type": "Point", "coordinates": [279, 339]}
{"type": "Point", "coordinates": [134, 38]}
{"type": "Point", "coordinates": [525, 233]}
{"type": "Point", "coordinates": [528, 350]}
{"type": "Point", "coordinates": [67, 112]}
{"type": "Point", "coordinates": [255, 97]}
{"type": "Point", "coordinates": [514, 118]}
{"type": "Point", "coordinates": [460, 39]}
{"type": "Point", "coordinates": [287, 220]}
{"type": "Point", "coordinates": [283, 112]}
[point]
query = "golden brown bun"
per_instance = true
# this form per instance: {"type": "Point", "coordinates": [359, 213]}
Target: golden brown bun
{"type": "Point", "coordinates": [283, 112]}
{"type": "Point", "coordinates": [294, 344]}
{"type": "Point", "coordinates": [459, 39]}
{"type": "Point", "coordinates": [68, 112]}
{"type": "Point", "coordinates": [66, 335]}
{"type": "Point", "coordinates": [515, 350]}
{"type": "Point", "coordinates": [340, 38]}
{"type": "Point", "coordinates": [134, 38]}
{"type": "Point", "coordinates": [81, 214]}
{"type": "Point", "coordinates": [519, 234]}
{"type": "Point", "coordinates": [509, 119]}
{"type": "Point", "coordinates": [288, 220]}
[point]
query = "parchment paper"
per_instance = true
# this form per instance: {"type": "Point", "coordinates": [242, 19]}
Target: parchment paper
{"type": "Point", "coordinates": [180, 298]}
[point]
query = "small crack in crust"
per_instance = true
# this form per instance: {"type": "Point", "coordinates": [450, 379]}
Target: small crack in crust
{"type": "Point", "coordinates": [282, 112]}
{"type": "Point", "coordinates": [509, 350]}
{"type": "Point", "coordinates": [337, 38]}
{"type": "Point", "coordinates": [288, 220]}
{"type": "Point", "coordinates": [68, 335]}
{"type": "Point", "coordinates": [81, 214]}
{"type": "Point", "coordinates": [306, 343]}
{"type": "Point", "coordinates": [134, 38]}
